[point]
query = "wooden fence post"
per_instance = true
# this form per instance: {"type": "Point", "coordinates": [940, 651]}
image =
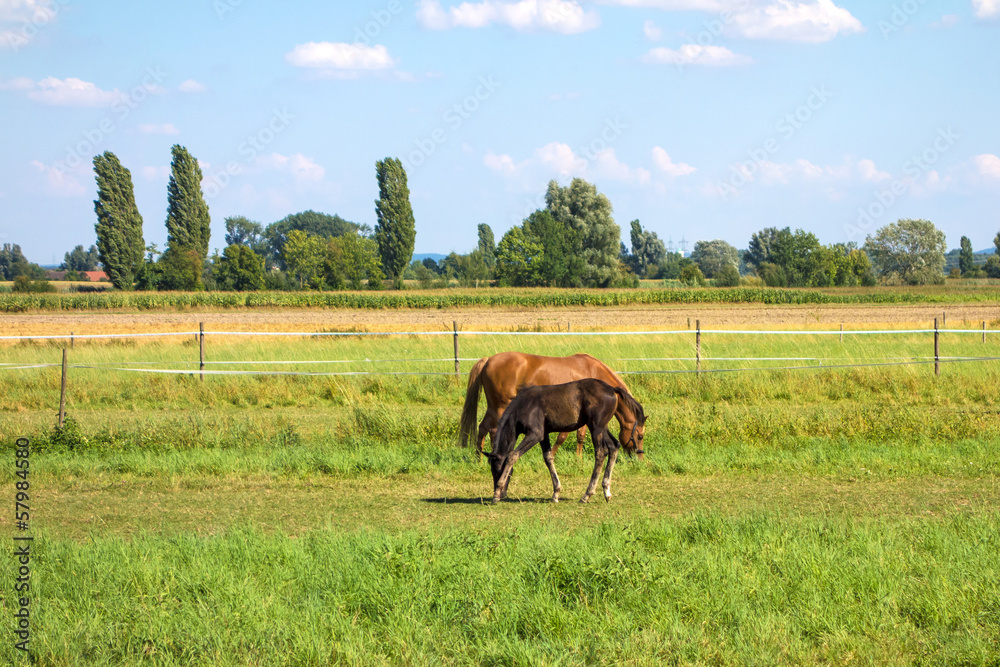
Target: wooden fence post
{"type": "Point", "coordinates": [984, 331]}
{"type": "Point", "coordinates": [454, 325]}
{"type": "Point", "coordinates": [937, 349]}
{"type": "Point", "coordinates": [71, 340]}
{"type": "Point", "coordinates": [841, 333]}
{"type": "Point", "coordinates": [201, 350]}
{"type": "Point", "coordinates": [697, 346]}
{"type": "Point", "coordinates": [62, 392]}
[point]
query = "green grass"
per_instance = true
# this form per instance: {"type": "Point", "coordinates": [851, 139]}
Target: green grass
{"type": "Point", "coordinates": [763, 588]}
{"type": "Point", "coordinates": [828, 516]}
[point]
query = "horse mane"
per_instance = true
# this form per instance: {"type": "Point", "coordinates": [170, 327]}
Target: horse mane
{"type": "Point", "coordinates": [633, 405]}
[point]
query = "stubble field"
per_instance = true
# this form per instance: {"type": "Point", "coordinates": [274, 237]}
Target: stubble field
{"type": "Point", "coordinates": [813, 516]}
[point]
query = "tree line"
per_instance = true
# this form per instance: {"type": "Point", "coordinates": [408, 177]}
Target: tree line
{"type": "Point", "coordinates": [573, 241]}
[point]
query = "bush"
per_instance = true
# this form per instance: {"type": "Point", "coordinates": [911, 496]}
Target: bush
{"type": "Point", "coordinates": [691, 275]}
{"type": "Point", "coordinates": [727, 276]}
{"type": "Point", "coordinates": [24, 285]}
{"type": "Point", "coordinates": [955, 273]}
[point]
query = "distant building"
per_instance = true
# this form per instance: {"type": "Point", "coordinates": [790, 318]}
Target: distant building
{"type": "Point", "coordinates": [55, 275]}
{"type": "Point", "coordinates": [96, 276]}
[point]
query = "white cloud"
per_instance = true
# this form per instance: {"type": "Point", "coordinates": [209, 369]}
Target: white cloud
{"type": "Point", "coordinates": [70, 92]}
{"type": "Point", "coordinates": [562, 16]}
{"type": "Point", "coordinates": [677, 5]}
{"type": "Point", "coordinates": [302, 168]}
{"type": "Point", "coordinates": [786, 20]}
{"type": "Point", "coordinates": [695, 54]}
{"type": "Point", "coordinates": [988, 165]}
{"type": "Point", "coordinates": [652, 31]}
{"type": "Point", "coordinates": [60, 182]}
{"type": "Point", "coordinates": [17, 83]}
{"type": "Point", "coordinates": [338, 56]}
{"type": "Point", "coordinates": [559, 159]}
{"type": "Point", "coordinates": [192, 86]}
{"type": "Point", "coordinates": [662, 160]}
{"type": "Point", "coordinates": [153, 128]}
{"type": "Point", "coordinates": [869, 172]}
{"type": "Point", "coordinates": [986, 9]}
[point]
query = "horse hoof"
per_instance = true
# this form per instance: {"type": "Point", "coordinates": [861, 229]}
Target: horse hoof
{"type": "Point", "coordinates": [555, 499]}
{"type": "Point", "coordinates": [495, 500]}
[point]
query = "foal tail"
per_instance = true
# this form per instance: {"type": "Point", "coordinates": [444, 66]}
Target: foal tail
{"type": "Point", "coordinates": [469, 411]}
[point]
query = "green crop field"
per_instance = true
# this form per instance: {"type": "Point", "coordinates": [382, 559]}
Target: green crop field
{"type": "Point", "coordinates": [803, 507]}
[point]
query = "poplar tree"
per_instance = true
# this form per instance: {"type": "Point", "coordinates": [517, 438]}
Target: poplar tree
{"type": "Point", "coordinates": [395, 229]}
{"type": "Point", "coordinates": [187, 213]}
{"type": "Point", "coordinates": [966, 257]}
{"type": "Point", "coordinates": [119, 226]}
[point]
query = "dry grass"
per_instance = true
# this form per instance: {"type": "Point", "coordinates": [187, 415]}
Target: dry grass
{"type": "Point", "coordinates": [656, 317]}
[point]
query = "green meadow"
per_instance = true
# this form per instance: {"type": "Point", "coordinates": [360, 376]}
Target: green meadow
{"type": "Point", "coordinates": [796, 506]}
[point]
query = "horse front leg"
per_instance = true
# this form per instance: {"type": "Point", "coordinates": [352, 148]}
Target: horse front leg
{"type": "Point", "coordinates": [549, 454]}
{"type": "Point", "coordinates": [500, 491]}
{"type": "Point", "coordinates": [600, 451]}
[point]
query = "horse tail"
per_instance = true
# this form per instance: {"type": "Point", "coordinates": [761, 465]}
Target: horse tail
{"type": "Point", "coordinates": [633, 405]}
{"type": "Point", "coordinates": [470, 410]}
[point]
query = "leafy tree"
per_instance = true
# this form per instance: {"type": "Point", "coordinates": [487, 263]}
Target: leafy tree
{"type": "Point", "coordinates": [80, 260]}
{"type": "Point", "coordinates": [351, 259]}
{"type": "Point", "coordinates": [180, 269]}
{"type": "Point", "coordinates": [312, 223]}
{"type": "Point", "coordinates": [562, 263]}
{"type": "Point", "coordinates": [648, 251]}
{"type": "Point", "coordinates": [772, 275]}
{"type": "Point", "coordinates": [672, 265]}
{"type": "Point", "coordinates": [792, 252]}
{"type": "Point", "coordinates": [431, 264]}
{"type": "Point", "coordinates": [518, 259]}
{"type": "Point", "coordinates": [852, 266]}
{"type": "Point", "coordinates": [712, 256]}
{"type": "Point", "coordinates": [691, 275]}
{"type": "Point", "coordinates": [911, 251]}
{"type": "Point", "coordinates": [188, 221]}
{"type": "Point", "coordinates": [487, 246]}
{"type": "Point", "coordinates": [240, 269]}
{"type": "Point", "coordinates": [13, 263]}
{"type": "Point", "coordinates": [996, 242]}
{"type": "Point", "coordinates": [395, 230]}
{"type": "Point", "coordinates": [992, 267]}
{"type": "Point", "coordinates": [581, 208]}
{"type": "Point", "coordinates": [304, 255]}
{"type": "Point", "coordinates": [727, 276]}
{"type": "Point", "coordinates": [119, 225]}
{"type": "Point", "coordinates": [423, 274]}
{"type": "Point", "coordinates": [966, 257]}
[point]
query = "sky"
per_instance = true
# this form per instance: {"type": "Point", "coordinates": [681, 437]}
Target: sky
{"type": "Point", "coordinates": [703, 119]}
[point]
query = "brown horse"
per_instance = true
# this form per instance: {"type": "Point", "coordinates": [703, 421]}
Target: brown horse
{"type": "Point", "coordinates": [538, 411]}
{"type": "Point", "coordinates": [501, 376]}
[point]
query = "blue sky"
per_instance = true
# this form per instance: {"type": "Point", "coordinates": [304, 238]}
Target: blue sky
{"type": "Point", "coordinates": [703, 119]}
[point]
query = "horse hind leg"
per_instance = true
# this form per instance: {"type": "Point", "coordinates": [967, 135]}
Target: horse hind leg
{"type": "Point", "coordinates": [606, 483]}
{"type": "Point", "coordinates": [559, 441]}
{"type": "Point", "coordinates": [581, 435]}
